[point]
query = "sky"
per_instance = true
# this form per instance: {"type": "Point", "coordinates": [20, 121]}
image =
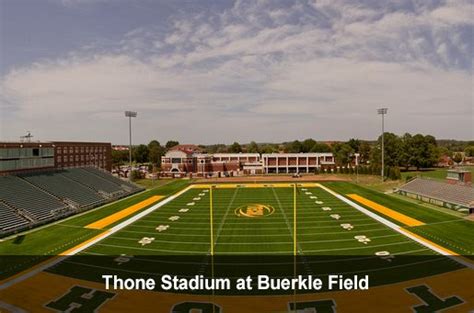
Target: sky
{"type": "Point", "coordinates": [209, 72]}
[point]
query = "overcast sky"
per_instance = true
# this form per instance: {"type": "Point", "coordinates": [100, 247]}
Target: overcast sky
{"type": "Point", "coordinates": [224, 71]}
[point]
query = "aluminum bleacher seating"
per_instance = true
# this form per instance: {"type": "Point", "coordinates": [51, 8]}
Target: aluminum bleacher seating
{"type": "Point", "coordinates": [113, 179]}
{"type": "Point", "coordinates": [451, 193]}
{"type": "Point", "coordinates": [35, 198]}
{"type": "Point", "coordinates": [9, 219]}
{"type": "Point", "coordinates": [93, 181]}
{"type": "Point", "coordinates": [20, 194]}
{"type": "Point", "coordinates": [65, 188]}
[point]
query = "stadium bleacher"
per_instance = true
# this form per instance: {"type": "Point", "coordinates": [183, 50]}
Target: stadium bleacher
{"type": "Point", "coordinates": [9, 219]}
{"type": "Point", "coordinates": [125, 184]}
{"type": "Point", "coordinates": [35, 198]}
{"type": "Point", "coordinates": [95, 182]}
{"type": "Point", "coordinates": [64, 188]}
{"type": "Point", "coordinates": [460, 195]}
{"type": "Point", "coordinates": [21, 195]}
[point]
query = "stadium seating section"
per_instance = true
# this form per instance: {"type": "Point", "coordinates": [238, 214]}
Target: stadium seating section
{"type": "Point", "coordinates": [31, 199]}
{"type": "Point", "coordinates": [450, 193]}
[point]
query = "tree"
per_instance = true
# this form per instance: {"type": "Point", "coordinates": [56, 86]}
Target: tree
{"type": "Point", "coordinates": [119, 157]}
{"type": "Point", "coordinates": [155, 152]}
{"type": "Point", "coordinates": [171, 144]}
{"type": "Point", "coordinates": [307, 145]}
{"type": "Point", "coordinates": [343, 153]}
{"type": "Point", "coordinates": [269, 148]}
{"type": "Point", "coordinates": [424, 151]}
{"type": "Point", "coordinates": [321, 147]}
{"type": "Point", "coordinates": [235, 148]}
{"type": "Point", "coordinates": [469, 151]}
{"type": "Point", "coordinates": [217, 148]}
{"type": "Point", "coordinates": [140, 154]}
{"type": "Point", "coordinates": [392, 146]}
{"type": "Point", "coordinates": [406, 151]}
{"type": "Point", "coordinates": [253, 147]}
{"type": "Point", "coordinates": [457, 158]}
{"type": "Point", "coordinates": [293, 147]}
{"type": "Point", "coordinates": [394, 173]}
{"type": "Point", "coordinates": [355, 144]}
{"type": "Point", "coordinates": [364, 150]}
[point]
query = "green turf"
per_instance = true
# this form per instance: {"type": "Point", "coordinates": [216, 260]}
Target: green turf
{"type": "Point", "coordinates": [453, 232]}
{"type": "Point", "coordinates": [317, 234]}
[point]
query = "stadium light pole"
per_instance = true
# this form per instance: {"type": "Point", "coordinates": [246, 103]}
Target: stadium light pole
{"type": "Point", "coordinates": [130, 114]}
{"type": "Point", "coordinates": [357, 166]}
{"type": "Point", "coordinates": [383, 111]}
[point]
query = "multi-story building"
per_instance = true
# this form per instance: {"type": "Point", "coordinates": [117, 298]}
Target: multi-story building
{"type": "Point", "coordinates": [18, 157]}
{"type": "Point", "coordinates": [77, 154]}
{"type": "Point", "coordinates": [295, 162]}
{"type": "Point", "coordinates": [189, 159]}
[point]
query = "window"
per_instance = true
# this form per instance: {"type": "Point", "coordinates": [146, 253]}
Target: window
{"type": "Point", "coordinates": [176, 160]}
{"type": "Point", "coordinates": [36, 152]}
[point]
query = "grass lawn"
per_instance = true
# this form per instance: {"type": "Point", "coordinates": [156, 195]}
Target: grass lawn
{"type": "Point", "coordinates": [435, 173]}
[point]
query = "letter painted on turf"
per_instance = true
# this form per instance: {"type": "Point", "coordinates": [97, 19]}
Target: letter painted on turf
{"type": "Point", "coordinates": [80, 299]}
{"type": "Point", "coordinates": [187, 307]}
{"type": "Point", "coordinates": [320, 306]}
{"type": "Point", "coordinates": [432, 302]}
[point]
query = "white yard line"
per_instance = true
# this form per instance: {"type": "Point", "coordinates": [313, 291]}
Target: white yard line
{"type": "Point", "coordinates": [260, 235]}
{"type": "Point", "coordinates": [290, 229]}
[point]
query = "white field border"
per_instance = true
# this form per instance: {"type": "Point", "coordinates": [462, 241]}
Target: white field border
{"type": "Point", "coordinates": [397, 228]}
{"type": "Point", "coordinates": [96, 239]}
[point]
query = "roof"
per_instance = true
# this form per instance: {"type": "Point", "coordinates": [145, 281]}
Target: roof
{"type": "Point", "coordinates": [302, 154]}
{"type": "Point", "coordinates": [187, 148]}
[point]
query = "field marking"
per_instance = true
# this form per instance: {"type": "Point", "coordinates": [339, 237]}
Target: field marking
{"type": "Point", "coordinates": [260, 235]}
{"type": "Point", "coordinates": [423, 241]}
{"type": "Point", "coordinates": [268, 222]}
{"type": "Point", "coordinates": [402, 218]}
{"type": "Point", "coordinates": [365, 247]}
{"type": "Point", "coordinates": [253, 242]}
{"type": "Point", "coordinates": [108, 220]}
{"type": "Point", "coordinates": [48, 263]}
{"type": "Point", "coordinates": [338, 226]}
{"type": "Point", "coordinates": [224, 218]}
{"type": "Point", "coordinates": [251, 185]}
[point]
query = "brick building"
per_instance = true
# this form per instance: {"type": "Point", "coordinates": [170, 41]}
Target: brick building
{"type": "Point", "coordinates": [16, 157]}
{"type": "Point", "coordinates": [189, 159]}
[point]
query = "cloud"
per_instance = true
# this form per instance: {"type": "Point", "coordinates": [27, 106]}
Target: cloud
{"type": "Point", "coordinates": [260, 70]}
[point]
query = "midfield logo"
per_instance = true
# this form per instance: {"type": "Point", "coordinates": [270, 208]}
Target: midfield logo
{"type": "Point", "coordinates": [254, 210]}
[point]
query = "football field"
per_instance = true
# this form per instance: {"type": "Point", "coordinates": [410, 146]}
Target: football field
{"type": "Point", "coordinates": [258, 221]}
{"type": "Point", "coordinates": [231, 231]}
{"type": "Point", "coordinates": [262, 225]}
